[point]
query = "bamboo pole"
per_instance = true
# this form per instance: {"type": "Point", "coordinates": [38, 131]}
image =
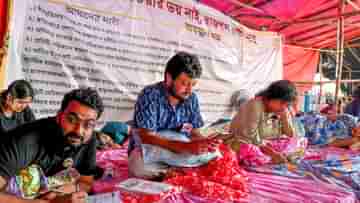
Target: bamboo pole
{"type": "Point", "coordinates": [357, 45]}
{"type": "Point", "coordinates": [339, 46]}
{"type": "Point", "coordinates": [310, 48]}
{"type": "Point", "coordinates": [324, 82]}
{"type": "Point", "coordinates": [348, 70]}
{"type": "Point", "coordinates": [353, 46]}
{"type": "Point", "coordinates": [329, 18]}
{"type": "Point", "coordinates": [238, 3]}
{"type": "Point", "coordinates": [350, 86]}
{"type": "Point", "coordinates": [356, 7]}
{"type": "Point", "coordinates": [320, 72]}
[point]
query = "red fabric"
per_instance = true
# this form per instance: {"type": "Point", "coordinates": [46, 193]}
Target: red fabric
{"type": "Point", "coordinates": [293, 19]}
{"type": "Point", "coordinates": [300, 65]}
{"type": "Point", "coordinates": [3, 20]}
{"type": "Point", "coordinates": [328, 109]}
{"type": "Point", "coordinates": [222, 178]}
{"type": "Point", "coordinates": [264, 188]}
{"type": "Point", "coordinates": [116, 160]}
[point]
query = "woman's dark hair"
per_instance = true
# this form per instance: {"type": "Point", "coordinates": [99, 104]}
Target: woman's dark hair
{"type": "Point", "coordinates": [281, 89]}
{"type": "Point", "coordinates": [86, 96]}
{"type": "Point", "coordinates": [184, 62]}
{"type": "Point", "coordinates": [19, 89]}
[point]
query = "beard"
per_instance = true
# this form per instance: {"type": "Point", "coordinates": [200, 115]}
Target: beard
{"type": "Point", "coordinates": [19, 110]}
{"type": "Point", "coordinates": [179, 97]}
{"type": "Point", "coordinates": [74, 139]}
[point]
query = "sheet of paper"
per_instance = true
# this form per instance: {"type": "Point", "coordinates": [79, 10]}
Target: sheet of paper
{"type": "Point", "coordinates": [113, 197]}
{"type": "Point", "coordinates": [144, 186]}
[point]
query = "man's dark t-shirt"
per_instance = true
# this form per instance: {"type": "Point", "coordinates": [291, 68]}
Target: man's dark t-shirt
{"type": "Point", "coordinates": [17, 119]}
{"type": "Point", "coordinates": [42, 142]}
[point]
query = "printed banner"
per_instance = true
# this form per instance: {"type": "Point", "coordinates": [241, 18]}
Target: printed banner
{"type": "Point", "coordinates": [119, 47]}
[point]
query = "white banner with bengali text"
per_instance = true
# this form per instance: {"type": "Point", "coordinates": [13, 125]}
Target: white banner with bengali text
{"type": "Point", "coordinates": [119, 47]}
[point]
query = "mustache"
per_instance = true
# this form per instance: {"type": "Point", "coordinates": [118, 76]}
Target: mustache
{"type": "Point", "coordinates": [172, 92]}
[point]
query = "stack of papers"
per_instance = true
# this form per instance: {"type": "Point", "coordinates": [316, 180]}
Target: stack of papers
{"type": "Point", "coordinates": [144, 186]}
{"type": "Point", "coordinates": [113, 197]}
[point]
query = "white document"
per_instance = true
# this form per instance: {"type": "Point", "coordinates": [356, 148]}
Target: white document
{"type": "Point", "coordinates": [112, 197]}
{"type": "Point", "coordinates": [144, 186]}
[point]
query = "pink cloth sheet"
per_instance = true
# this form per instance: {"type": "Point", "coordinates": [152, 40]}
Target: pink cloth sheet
{"type": "Point", "coordinates": [264, 188]}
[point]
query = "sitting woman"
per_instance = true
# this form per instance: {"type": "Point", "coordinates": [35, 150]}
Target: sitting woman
{"type": "Point", "coordinates": [352, 142]}
{"type": "Point", "coordinates": [345, 132]}
{"type": "Point", "coordinates": [350, 121]}
{"type": "Point", "coordinates": [263, 119]}
{"type": "Point", "coordinates": [14, 105]}
{"type": "Point", "coordinates": [324, 129]}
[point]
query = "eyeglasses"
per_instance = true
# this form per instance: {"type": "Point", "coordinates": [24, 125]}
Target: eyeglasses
{"type": "Point", "coordinates": [75, 120]}
{"type": "Point", "coordinates": [23, 101]}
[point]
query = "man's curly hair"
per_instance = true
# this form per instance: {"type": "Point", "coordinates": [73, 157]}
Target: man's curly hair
{"type": "Point", "coordinates": [86, 96]}
{"type": "Point", "coordinates": [184, 62]}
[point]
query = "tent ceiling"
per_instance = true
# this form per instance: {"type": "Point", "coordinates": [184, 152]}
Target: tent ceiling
{"type": "Point", "coordinates": [306, 23]}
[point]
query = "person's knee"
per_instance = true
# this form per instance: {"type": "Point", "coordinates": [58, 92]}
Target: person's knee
{"type": "Point", "coordinates": [138, 169]}
{"type": "Point", "coordinates": [143, 173]}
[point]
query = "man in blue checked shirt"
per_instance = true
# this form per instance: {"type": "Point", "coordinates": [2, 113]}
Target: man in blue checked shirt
{"type": "Point", "coordinates": [169, 105]}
